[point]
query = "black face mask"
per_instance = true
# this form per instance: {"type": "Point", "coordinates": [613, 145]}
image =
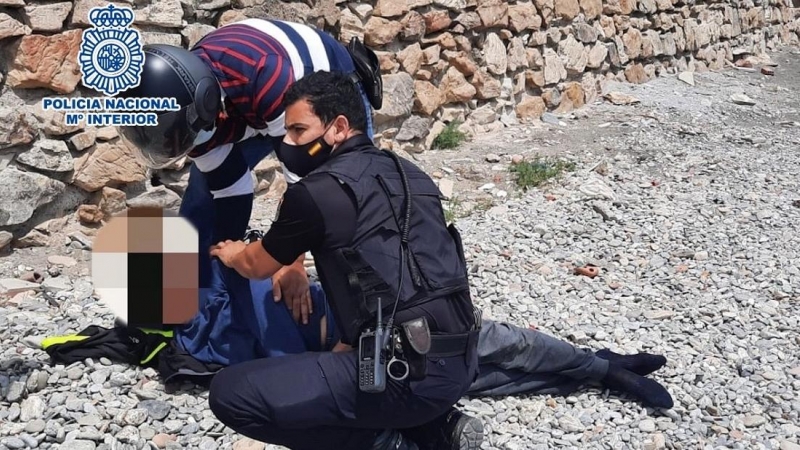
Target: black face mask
{"type": "Point", "coordinates": [303, 159]}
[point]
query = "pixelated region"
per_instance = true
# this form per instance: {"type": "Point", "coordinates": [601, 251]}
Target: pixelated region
{"type": "Point", "coordinates": [145, 267]}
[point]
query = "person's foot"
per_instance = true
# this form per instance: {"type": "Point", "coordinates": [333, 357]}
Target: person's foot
{"type": "Point", "coordinates": [393, 440]}
{"type": "Point", "coordinates": [641, 363]}
{"type": "Point", "coordinates": [451, 431]}
{"type": "Point", "coordinates": [650, 392]}
{"type": "Point", "coordinates": [462, 432]}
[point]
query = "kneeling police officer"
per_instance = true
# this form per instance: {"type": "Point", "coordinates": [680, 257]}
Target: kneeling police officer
{"type": "Point", "coordinates": [396, 280]}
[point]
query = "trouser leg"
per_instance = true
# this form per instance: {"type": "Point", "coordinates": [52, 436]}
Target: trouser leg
{"type": "Point", "coordinates": [197, 206]}
{"type": "Point", "coordinates": [494, 381]}
{"type": "Point", "coordinates": [312, 401]}
{"type": "Point", "coordinates": [200, 336]}
{"type": "Point", "coordinates": [513, 348]}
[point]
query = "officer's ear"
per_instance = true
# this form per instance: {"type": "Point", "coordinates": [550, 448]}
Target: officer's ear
{"type": "Point", "coordinates": [341, 127]}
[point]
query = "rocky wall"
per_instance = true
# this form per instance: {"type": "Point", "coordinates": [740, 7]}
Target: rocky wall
{"type": "Point", "coordinates": [485, 63]}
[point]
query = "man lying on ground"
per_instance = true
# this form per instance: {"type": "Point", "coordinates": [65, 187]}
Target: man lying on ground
{"type": "Point", "coordinates": [513, 360]}
{"type": "Point", "coordinates": [240, 320]}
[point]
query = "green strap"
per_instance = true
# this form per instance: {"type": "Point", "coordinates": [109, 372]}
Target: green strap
{"type": "Point", "coordinates": [55, 340]}
{"type": "Point", "coordinates": [164, 333]}
{"type": "Point", "coordinates": [154, 353]}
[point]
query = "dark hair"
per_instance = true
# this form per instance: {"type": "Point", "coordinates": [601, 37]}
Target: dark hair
{"type": "Point", "coordinates": [330, 94]}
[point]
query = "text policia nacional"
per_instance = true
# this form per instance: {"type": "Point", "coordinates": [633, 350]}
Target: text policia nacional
{"type": "Point", "coordinates": [103, 111]}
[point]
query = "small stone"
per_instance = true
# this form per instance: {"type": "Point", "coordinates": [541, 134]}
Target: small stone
{"type": "Point", "coordinates": [106, 133]}
{"type": "Point", "coordinates": [12, 286]}
{"type": "Point", "coordinates": [741, 99]}
{"type": "Point", "coordinates": [5, 239]}
{"type": "Point", "coordinates": [248, 444]}
{"type": "Point", "coordinates": [83, 140]}
{"type": "Point", "coordinates": [59, 260]}
{"type": "Point", "coordinates": [161, 439]}
{"type": "Point", "coordinates": [647, 426]}
{"type": "Point", "coordinates": [701, 256]}
{"type": "Point", "coordinates": [156, 409]}
{"type": "Point", "coordinates": [552, 119]}
{"type": "Point", "coordinates": [446, 188]}
{"type": "Point", "coordinates": [13, 442]}
{"type": "Point", "coordinates": [81, 239]}
{"type": "Point", "coordinates": [89, 420]}
{"type": "Point", "coordinates": [658, 442]}
{"type": "Point", "coordinates": [570, 424]}
{"type": "Point", "coordinates": [753, 421]}
{"type": "Point", "coordinates": [35, 426]}
{"type": "Point", "coordinates": [57, 284]}
{"type": "Point", "coordinates": [789, 445]}
{"type": "Point", "coordinates": [32, 407]}
{"type": "Point", "coordinates": [619, 98]}
{"type": "Point", "coordinates": [658, 315]}
{"type": "Point", "coordinates": [768, 71]}
{"type": "Point", "coordinates": [492, 158]}
{"type": "Point", "coordinates": [687, 77]}
{"type": "Point", "coordinates": [90, 214]}
{"type": "Point", "coordinates": [77, 444]}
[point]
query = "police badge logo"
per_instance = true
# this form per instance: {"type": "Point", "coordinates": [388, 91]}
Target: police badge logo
{"type": "Point", "coordinates": [111, 55]}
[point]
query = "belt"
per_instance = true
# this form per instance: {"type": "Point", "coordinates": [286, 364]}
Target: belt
{"type": "Point", "coordinates": [448, 345]}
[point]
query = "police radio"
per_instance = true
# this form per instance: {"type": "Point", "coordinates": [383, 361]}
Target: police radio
{"type": "Point", "coordinates": [374, 346]}
{"type": "Point", "coordinates": [372, 357]}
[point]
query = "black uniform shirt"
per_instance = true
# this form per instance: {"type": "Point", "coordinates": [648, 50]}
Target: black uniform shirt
{"type": "Point", "coordinates": [301, 226]}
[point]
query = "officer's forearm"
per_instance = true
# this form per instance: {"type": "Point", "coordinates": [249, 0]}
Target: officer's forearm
{"type": "Point", "coordinates": [255, 263]}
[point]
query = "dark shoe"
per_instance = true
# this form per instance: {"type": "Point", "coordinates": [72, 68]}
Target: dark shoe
{"type": "Point", "coordinates": [453, 430]}
{"type": "Point", "coordinates": [641, 363]}
{"type": "Point", "coordinates": [393, 440]}
{"type": "Point", "coordinates": [462, 432]}
{"type": "Point", "coordinates": [650, 392]}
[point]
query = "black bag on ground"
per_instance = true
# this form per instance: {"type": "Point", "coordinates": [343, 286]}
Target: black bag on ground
{"type": "Point", "coordinates": [119, 344]}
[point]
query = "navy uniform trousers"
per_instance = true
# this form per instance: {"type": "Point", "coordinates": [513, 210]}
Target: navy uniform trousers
{"type": "Point", "coordinates": [310, 399]}
{"type": "Point", "coordinates": [274, 392]}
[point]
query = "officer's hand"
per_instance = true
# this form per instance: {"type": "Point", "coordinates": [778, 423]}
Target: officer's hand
{"type": "Point", "coordinates": [340, 347]}
{"type": "Point", "coordinates": [291, 285]}
{"type": "Point", "coordinates": [227, 250]}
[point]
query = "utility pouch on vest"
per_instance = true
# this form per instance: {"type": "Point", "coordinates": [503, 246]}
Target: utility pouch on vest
{"type": "Point", "coordinates": [365, 286]}
{"type": "Point", "coordinates": [459, 245]}
{"type": "Point", "coordinates": [416, 345]}
{"type": "Point", "coordinates": [368, 69]}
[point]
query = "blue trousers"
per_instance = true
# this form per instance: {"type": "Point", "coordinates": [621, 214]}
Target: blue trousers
{"type": "Point", "coordinates": [239, 321]}
{"type": "Point", "coordinates": [200, 335]}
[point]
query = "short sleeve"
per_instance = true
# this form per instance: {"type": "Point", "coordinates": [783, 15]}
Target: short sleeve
{"type": "Point", "coordinates": [298, 229]}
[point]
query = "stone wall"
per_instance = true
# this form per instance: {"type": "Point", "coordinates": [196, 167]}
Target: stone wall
{"type": "Point", "coordinates": [485, 63]}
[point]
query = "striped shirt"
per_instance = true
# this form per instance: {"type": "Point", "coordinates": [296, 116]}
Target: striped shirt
{"type": "Point", "coordinates": [255, 62]}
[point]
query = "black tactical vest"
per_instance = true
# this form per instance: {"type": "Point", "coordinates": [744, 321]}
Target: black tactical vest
{"type": "Point", "coordinates": [356, 276]}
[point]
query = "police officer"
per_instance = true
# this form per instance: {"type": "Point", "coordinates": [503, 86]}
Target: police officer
{"type": "Point", "coordinates": [229, 87]}
{"type": "Point", "coordinates": [375, 226]}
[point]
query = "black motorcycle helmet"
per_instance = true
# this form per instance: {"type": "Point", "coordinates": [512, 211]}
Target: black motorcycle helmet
{"type": "Point", "coordinates": [170, 71]}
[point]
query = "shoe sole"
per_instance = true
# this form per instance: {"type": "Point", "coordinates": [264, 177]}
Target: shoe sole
{"type": "Point", "coordinates": [470, 435]}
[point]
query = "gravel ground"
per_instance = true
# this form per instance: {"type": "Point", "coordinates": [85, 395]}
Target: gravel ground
{"type": "Point", "coordinates": [686, 201]}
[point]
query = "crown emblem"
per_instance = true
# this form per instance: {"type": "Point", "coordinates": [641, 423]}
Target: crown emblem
{"type": "Point", "coordinates": [111, 54]}
{"type": "Point", "coordinates": [111, 16]}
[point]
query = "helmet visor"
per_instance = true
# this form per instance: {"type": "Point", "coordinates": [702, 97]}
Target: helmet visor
{"type": "Point", "coordinates": [161, 145]}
